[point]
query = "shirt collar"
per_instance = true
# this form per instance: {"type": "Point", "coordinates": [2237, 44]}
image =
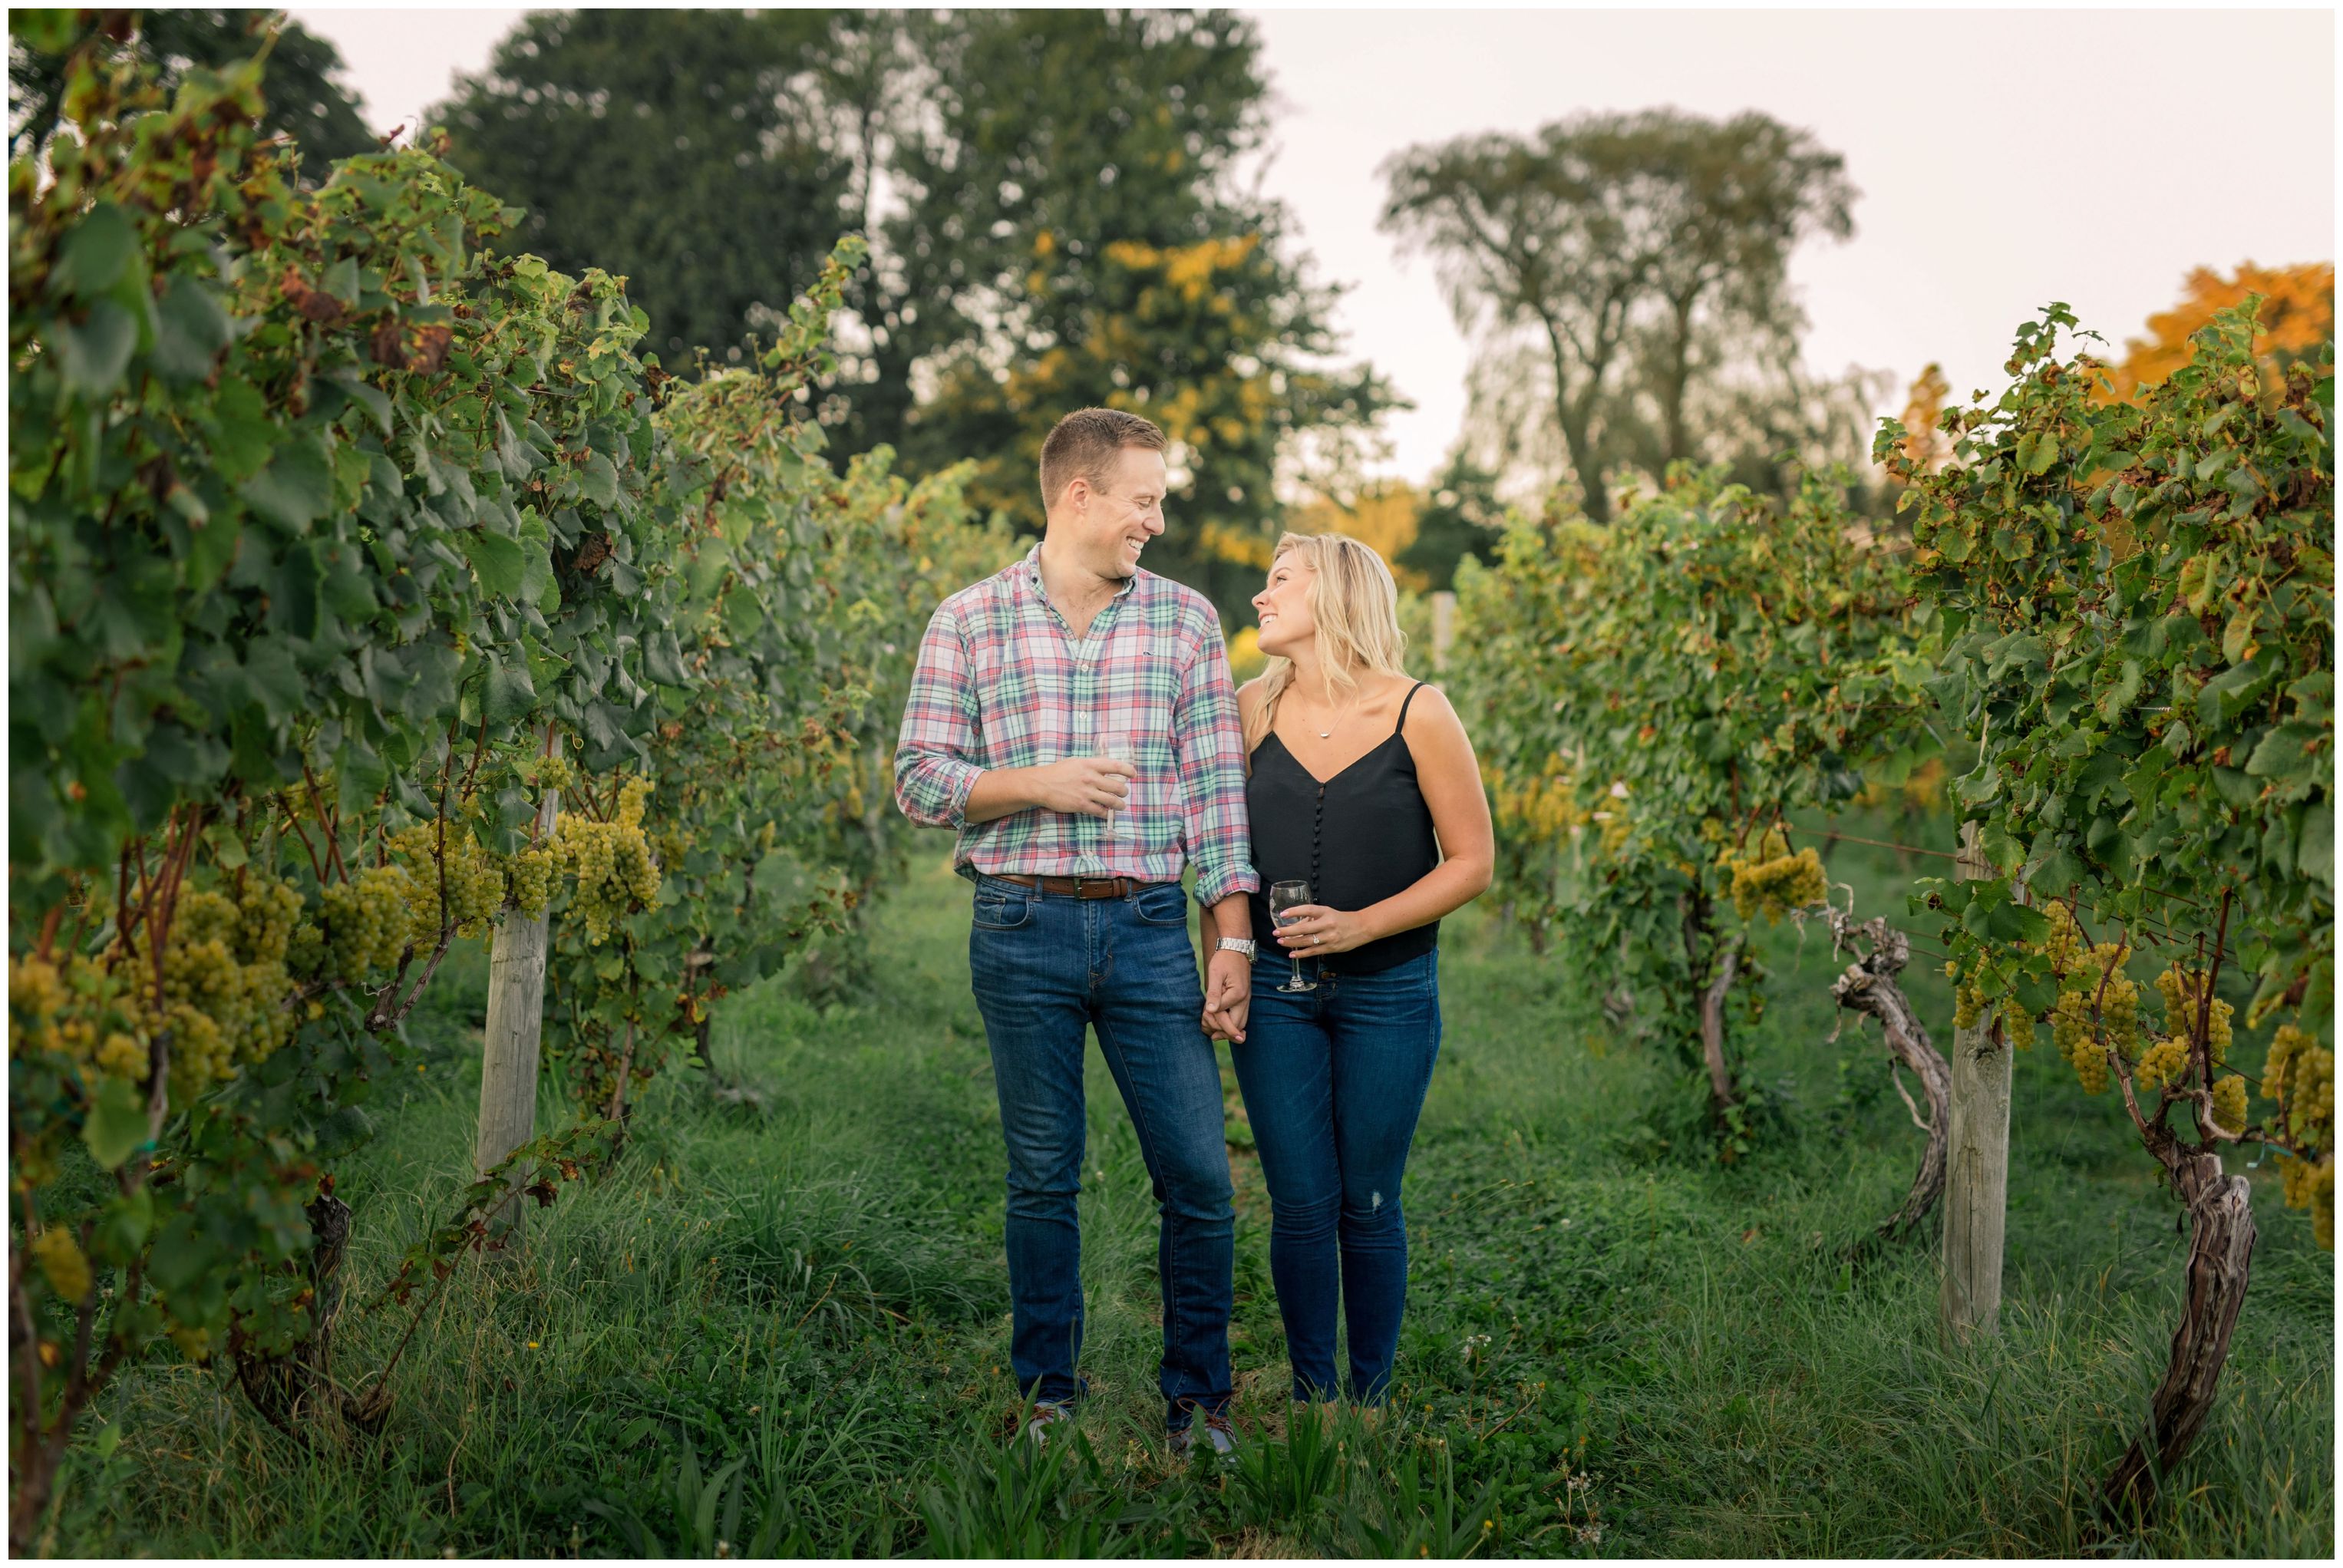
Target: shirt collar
{"type": "Point", "coordinates": [1033, 578]}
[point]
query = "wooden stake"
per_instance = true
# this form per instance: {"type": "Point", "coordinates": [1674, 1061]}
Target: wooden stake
{"type": "Point", "coordinates": [509, 1056]}
{"type": "Point", "coordinates": [1976, 1177]}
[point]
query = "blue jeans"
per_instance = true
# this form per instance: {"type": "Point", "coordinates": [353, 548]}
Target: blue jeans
{"type": "Point", "coordinates": [1043, 968]}
{"type": "Point", "coordinates": [1334, 1080]}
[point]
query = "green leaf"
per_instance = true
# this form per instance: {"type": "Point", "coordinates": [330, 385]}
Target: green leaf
{"type": "Point", "coordinates": [297, 489]}
{"type": "Point", "coordinates": [95, 253]}
{"type": "Point", "coordinates": [190, 329]}
{"type": "Point", "coordinates": [2037, 451]}
{"type": "Point", "coordinates": [509, 695]}
{"type": "Point", "coordinates": [116, 1123]}
{"type": "Point", "coordinates": [90, 357]}
{"type": "Point", "coordinates": [597, 479]}
{"type": "Point", "coordinates": [367, 395]}
{"type": "Point", "coordinates": [501, 563]}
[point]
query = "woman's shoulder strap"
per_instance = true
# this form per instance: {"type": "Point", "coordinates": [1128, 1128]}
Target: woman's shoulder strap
{"type": "Point", "coordinates": [1404, 704]}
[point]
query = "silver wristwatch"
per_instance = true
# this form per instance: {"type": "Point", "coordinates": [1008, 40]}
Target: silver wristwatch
{"type": "Point", "coordinates": [1236, 945]}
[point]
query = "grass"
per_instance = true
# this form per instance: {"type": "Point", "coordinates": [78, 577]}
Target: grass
{"type": "Point", "coordinates": [781, 1325]}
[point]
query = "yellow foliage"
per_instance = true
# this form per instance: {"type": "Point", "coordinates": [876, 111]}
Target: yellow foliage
{"type": "Point", "coordinates": [1245, 657]}
{"type": "Point", "coordinates": [2298, 314]}
{"type": "Point", "coordinates": [1383, 517]}
{"type": "Point", "coordinates": [1922, 443]}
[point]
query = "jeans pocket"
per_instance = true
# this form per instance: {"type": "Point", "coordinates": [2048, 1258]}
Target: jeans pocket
{"type": "Point", "coordinates": [1002, 907]}
{"type": "Point", "coordinates": [1165, 904]}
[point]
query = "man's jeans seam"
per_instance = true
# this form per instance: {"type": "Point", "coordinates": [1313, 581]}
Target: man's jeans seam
{"type": "Point", "coordinates": [1170, 1232]}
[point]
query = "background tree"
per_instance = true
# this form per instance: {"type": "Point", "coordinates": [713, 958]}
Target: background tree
{"type": "Point", "coordinates": [1458, 516]}
{"type": "Point", "coordinates": [1072, 233]}
{"type": "Point", "coordinates": [693, 152]}
{"type": "Point", "coordinates": [305, 96]}
{"type": "Point", "coordinates": [1615, 265]}
{"type": "Point", "coordinates": [2297, 315]}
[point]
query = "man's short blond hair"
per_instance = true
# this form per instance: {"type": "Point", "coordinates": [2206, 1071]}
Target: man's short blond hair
{"type": "Point", "coordinates": [1084, 444]}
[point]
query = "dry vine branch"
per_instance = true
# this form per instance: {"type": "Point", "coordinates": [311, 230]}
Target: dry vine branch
{"type": "Point", "coordinates": [1870, 986]}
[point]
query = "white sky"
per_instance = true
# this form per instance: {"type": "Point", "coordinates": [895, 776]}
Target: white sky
{"type": "Point", "coordinates": [2005, 158]}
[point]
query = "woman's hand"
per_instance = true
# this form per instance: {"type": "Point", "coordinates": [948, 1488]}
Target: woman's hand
{"type": "Point", "coordinates": [1315, 930]}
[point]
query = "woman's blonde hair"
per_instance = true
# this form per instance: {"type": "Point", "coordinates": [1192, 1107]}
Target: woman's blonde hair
{"type": "Point", "coordinates": [1354, 605]}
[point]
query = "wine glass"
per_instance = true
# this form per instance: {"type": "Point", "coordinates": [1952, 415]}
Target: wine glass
{"type": "Point", "coordinates": [1283, 895]}
{"type": "Point", "coordinates": [1119, 749]}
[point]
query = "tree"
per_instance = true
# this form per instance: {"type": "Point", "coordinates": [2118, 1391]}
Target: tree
{"type": "Point", "coordinates": [2297, 315]}
{"type": "Point", "coordinates": [1611, 265]}
{"type": "Point", "coordinates": [693, 152]}
{"type": "Point", "coordinates": [1458, 516]}
{"type": "Point", "coordinates": [1073, 235]}
{"type": "Point", "coordinates": [304, 95]}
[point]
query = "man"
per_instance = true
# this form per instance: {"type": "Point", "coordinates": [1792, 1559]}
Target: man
{"type": "Point", "coordinates": [1072, 717]}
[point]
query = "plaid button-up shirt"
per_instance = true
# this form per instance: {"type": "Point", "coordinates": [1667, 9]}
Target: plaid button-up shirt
{"type": "Point", "coordinates": [1002, 682]}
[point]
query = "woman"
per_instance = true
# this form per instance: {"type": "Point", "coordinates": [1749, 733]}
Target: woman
{"type": "Point", "coordinates": [1362, 784]}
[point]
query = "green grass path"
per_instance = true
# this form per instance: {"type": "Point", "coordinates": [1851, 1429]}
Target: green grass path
{"type": "Point", "coordinates": [782, 1323]}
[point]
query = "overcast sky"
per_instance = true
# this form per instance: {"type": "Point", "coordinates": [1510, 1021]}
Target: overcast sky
{"type": "Point", "coordinates": [2005, 158]}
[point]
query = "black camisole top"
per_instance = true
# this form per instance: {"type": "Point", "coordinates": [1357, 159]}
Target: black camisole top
{"type": "Point", "coordinates": [1356, 839]}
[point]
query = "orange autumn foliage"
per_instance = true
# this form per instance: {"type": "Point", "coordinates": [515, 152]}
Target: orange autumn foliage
{"type": "Point", "coordinates": [2298, 314]}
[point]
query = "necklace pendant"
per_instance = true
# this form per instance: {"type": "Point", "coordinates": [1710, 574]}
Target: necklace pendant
{"type": "Point", "coordinates": [1325, 734]}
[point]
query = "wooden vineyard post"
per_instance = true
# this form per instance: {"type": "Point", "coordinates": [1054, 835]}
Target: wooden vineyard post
{"type": "Point", "coordinates": [1443, 627]}
{"type": "Point", "coordinates": [508, 1055]}
{"type": "Point", "coordinates": [1977, 1177]}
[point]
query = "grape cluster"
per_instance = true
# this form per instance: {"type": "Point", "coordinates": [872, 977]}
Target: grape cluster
{"type": "Point", "coordinates": [549, 773]}
{"type": "Point", "coordinates": [2182, 992]}
{"type": "Point", "coordinates": [2097, 1006]}
{"type": "Point", "coordinates": [223, 983]}
{"type": "Point", "coordinates": [369, 919]}
{"type": "Point", "coordinates": [1768, 878]}
{"type": "Point", "coordinates": [2300, 1078]}
{"type": "Point", "coordinates": [531, 872]}
{"type": "Point", "coordinates": [61, 1259]}
{"type": "Point", "coordinates": [2164, 1062]}
{"type": "Point", "coordinates": [610, 863]}
{"type": "Point", "coordinates": [2311, 1184]}
{"type": "Point", "coordinates": [2230, 1102]}
{"type": "Point", "coordinates": [475, 881]}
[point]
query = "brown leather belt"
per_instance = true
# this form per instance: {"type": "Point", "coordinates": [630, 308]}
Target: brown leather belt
{"type": "Point", "coordinates": [1080, 887]}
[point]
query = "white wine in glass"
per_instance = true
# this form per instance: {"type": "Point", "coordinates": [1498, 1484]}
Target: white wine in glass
{"type": "Point", "coordinates": [1284, 896]}
{"type": "Point", "coordinates": [1119, 749]}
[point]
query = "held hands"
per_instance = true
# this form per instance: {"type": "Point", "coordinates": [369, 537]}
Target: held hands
{"type": "Point", "coordinates": [1083, 786]}
{"type": "Point", "coordinates": [1314, 930]}
{"type": "Point", "coordinates": [1227, 995]}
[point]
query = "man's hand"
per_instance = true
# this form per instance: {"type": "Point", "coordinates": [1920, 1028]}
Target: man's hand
{"type": "Point", "coordinates": [1227, 995]}
{"type": "Point", "coordinates": [1081, 786]}
{"type": "Point", "coordinates": [1078, 786]}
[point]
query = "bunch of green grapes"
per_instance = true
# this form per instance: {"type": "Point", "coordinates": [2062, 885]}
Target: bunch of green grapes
{"type": "Point", "coordinates": [2230, 1102]}
{"type": "Point", "coordinates": [2164, 1062]}
{"type": "Point", "coordinates": [2300, 1080]}
{"type": "Point", "coordinates": [1768, 878]}
{"type": "Point", "coordinates": [80, 1008]}
{"type": "Point", "coordinates": [266, 913]}
{"type": "Point", "coordinates": [530, 872]}
{"type": "Point", "coordinates": [549, 773]}
{"type": "Point", "coordinates": [61, 1260]}
{"type": "Point", "coordinates": [2097, 1005]}
{"type": "Point", "coordinates": [220, 1008]}
{"type": "Point", "coordinates": [610, 864]}
{"type": "Point", "coordinates": [2183, 991]}
{"type": "Point", "coordinates": [474, 881]}
{"type": "Point", "coordinates": [369, 921]}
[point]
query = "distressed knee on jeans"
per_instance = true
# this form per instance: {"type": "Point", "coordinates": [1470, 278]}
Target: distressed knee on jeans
{"type": "Point", "coordinates": [1371, 1212]}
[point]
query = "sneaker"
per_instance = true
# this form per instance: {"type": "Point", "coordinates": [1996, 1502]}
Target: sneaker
{"type": "Point", "coordinates": [1048, 1414]}
{"type": "Point", "coordinates": [1218, 1436]}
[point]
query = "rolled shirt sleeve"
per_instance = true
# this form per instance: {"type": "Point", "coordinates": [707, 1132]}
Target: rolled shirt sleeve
{"type": "Point", "coordinates": [932, 771]}
{"type": "Point", "coordinates": [1209, 747]}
